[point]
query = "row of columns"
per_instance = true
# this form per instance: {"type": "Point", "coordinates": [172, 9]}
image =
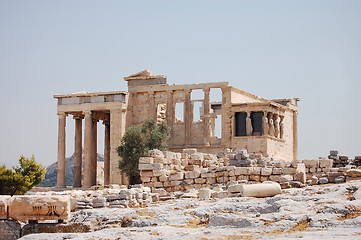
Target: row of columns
{"type": "Point", "coordinates": [90, 150]}
{"type": "Point", "coordinates": [272, 125]}
{"type": "Point", "coordinates": [188, 114]}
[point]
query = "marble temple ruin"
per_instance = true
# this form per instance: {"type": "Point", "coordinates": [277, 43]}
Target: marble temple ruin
{"type": "Point", "coordinates": [246, 121]}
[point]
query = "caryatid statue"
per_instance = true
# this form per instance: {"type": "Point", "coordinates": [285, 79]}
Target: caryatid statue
{"type": "Point", "coordinates": [281, 129]}
{"type": "Point", "coordinates": [265, 124]}
{"type": "Point", "coordinates": [249, 128]}
{"type": "Point", "coordinates": [271, 127]}
{"type": "Point", "coordinates": [277, 126]}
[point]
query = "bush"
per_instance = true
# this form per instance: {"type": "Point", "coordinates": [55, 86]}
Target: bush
{"type": "Point", "coordinates": [21, 178]}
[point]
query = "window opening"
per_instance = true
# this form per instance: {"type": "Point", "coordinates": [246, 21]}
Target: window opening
{"type": "Point", "coordinates": [161, 112]}
{"type": "Point", "coordinates": [218, 127]}
{"type": "Point", "coordinates": [197, 94]}
{"type": "Point", "coordinates": [198, 111]}
{"type": "Point", "coordinates": [215, 95]}
{"type": "Point", "coordinates": [179, 112]}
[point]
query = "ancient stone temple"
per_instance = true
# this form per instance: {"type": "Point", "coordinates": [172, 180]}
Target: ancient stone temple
{"type": "Point", "coordinates": [239, 120]}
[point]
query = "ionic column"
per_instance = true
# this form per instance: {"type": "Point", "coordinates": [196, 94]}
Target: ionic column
{"type": "Point", "coordinates": [188, 117]}
{"type": "Point", "coordinates": [61, 150]}
{"type": "Point", "coordinates": [170, 115]}
{"type": "Point", "coordinates": [206, 107]}
{"type": "Point", "coordinates": [94, 153]}
{"type": "Point", "coordinates": [78, 151]}
{"type": "Point", "coordinates": [88, 136]}
{"type": "Point", "coordinates": [106, 152]}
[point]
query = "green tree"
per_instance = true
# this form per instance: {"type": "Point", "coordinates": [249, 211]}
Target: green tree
{"type": "Point", "coordinates": [130, 150]}
{"type": "Point", "coordinates": [21, 178]}
{"type": "Point", "coordinates": [156, 135]}
{"type": "Point", "coordinates": [137, 142]}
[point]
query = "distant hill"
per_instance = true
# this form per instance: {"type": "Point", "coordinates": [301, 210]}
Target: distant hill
{"type": "Point", "coordinates": [51, 172]}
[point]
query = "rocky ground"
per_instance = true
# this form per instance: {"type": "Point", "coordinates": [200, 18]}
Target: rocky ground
{"type": "Point", "coordinates": [314, 212]}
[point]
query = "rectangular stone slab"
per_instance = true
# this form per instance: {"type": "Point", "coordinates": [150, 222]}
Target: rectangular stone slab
{"type": "Point", "coordinates": [46, 207]}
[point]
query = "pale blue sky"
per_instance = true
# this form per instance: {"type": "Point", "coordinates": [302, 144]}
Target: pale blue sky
{"type": "Point", "coordinates": [274, 49]}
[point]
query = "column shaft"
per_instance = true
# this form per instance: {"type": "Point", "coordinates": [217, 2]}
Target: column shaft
{"type": "Point", "coordinates": [170, 116]}
{"type": "Point", "coordinates": [61, 150]}
{"type": "Point", "coordinates": [94, 154]}
{"type": "Point", "coordinates": [87, 149]}
{"type": "Point", "coordinates": [206, 107]}
{"type": "Point", "coordinates": [107, 153]}
{"type": "Point", "coordinates": [117, 122]}
{"type": "Point", "coordinates": [188, 118]}
{"type": "Point", "coordinates": [78, 152]}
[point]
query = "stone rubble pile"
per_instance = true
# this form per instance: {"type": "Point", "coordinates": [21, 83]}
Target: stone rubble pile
{"type": "Point", "coordinates": [193, 170]}
{"type": "Point", "coordinates": [113, 197]}
{"type": "Point", "coordinates": [168, 175]}
{"type": "Point", "coordinates": [357, 161]}
{"type": "Point", "coordinates": [338, 161]}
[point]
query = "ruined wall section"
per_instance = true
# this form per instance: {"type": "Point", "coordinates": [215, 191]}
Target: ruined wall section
{"type": "Point", "coordinates": [194, 170]}
{"type": "Point", "coordinates": [163, 102]}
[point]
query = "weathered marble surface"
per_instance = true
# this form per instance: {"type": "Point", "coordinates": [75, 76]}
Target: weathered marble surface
{"type": "Point", "coordinates": [33, 207]}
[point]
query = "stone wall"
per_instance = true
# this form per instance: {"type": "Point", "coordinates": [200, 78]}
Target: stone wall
{"type": "Point", "coordinates": [194, 170]}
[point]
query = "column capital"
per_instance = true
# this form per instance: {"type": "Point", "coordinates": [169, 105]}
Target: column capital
{"type": "Point", "coordinates": [87, 112]}
{"type": "Point", "coordinates": [62, 114]}
{"type": "Point", "coordinates": [78, 116]}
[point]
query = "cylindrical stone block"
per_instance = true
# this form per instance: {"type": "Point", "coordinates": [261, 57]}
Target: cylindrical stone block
{"type": "Point", "coordinates": [260, 190]}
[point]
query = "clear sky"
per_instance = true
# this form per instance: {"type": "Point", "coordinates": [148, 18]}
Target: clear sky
{"type": "Point", "coordinates": [273, 49]}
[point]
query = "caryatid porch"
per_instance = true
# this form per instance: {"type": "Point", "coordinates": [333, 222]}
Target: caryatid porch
{"type": "Point", "coordinates": [110, 108]}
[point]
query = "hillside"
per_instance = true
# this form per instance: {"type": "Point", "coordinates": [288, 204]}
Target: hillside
{"type": "Point", "coordinates": [51, 171]}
